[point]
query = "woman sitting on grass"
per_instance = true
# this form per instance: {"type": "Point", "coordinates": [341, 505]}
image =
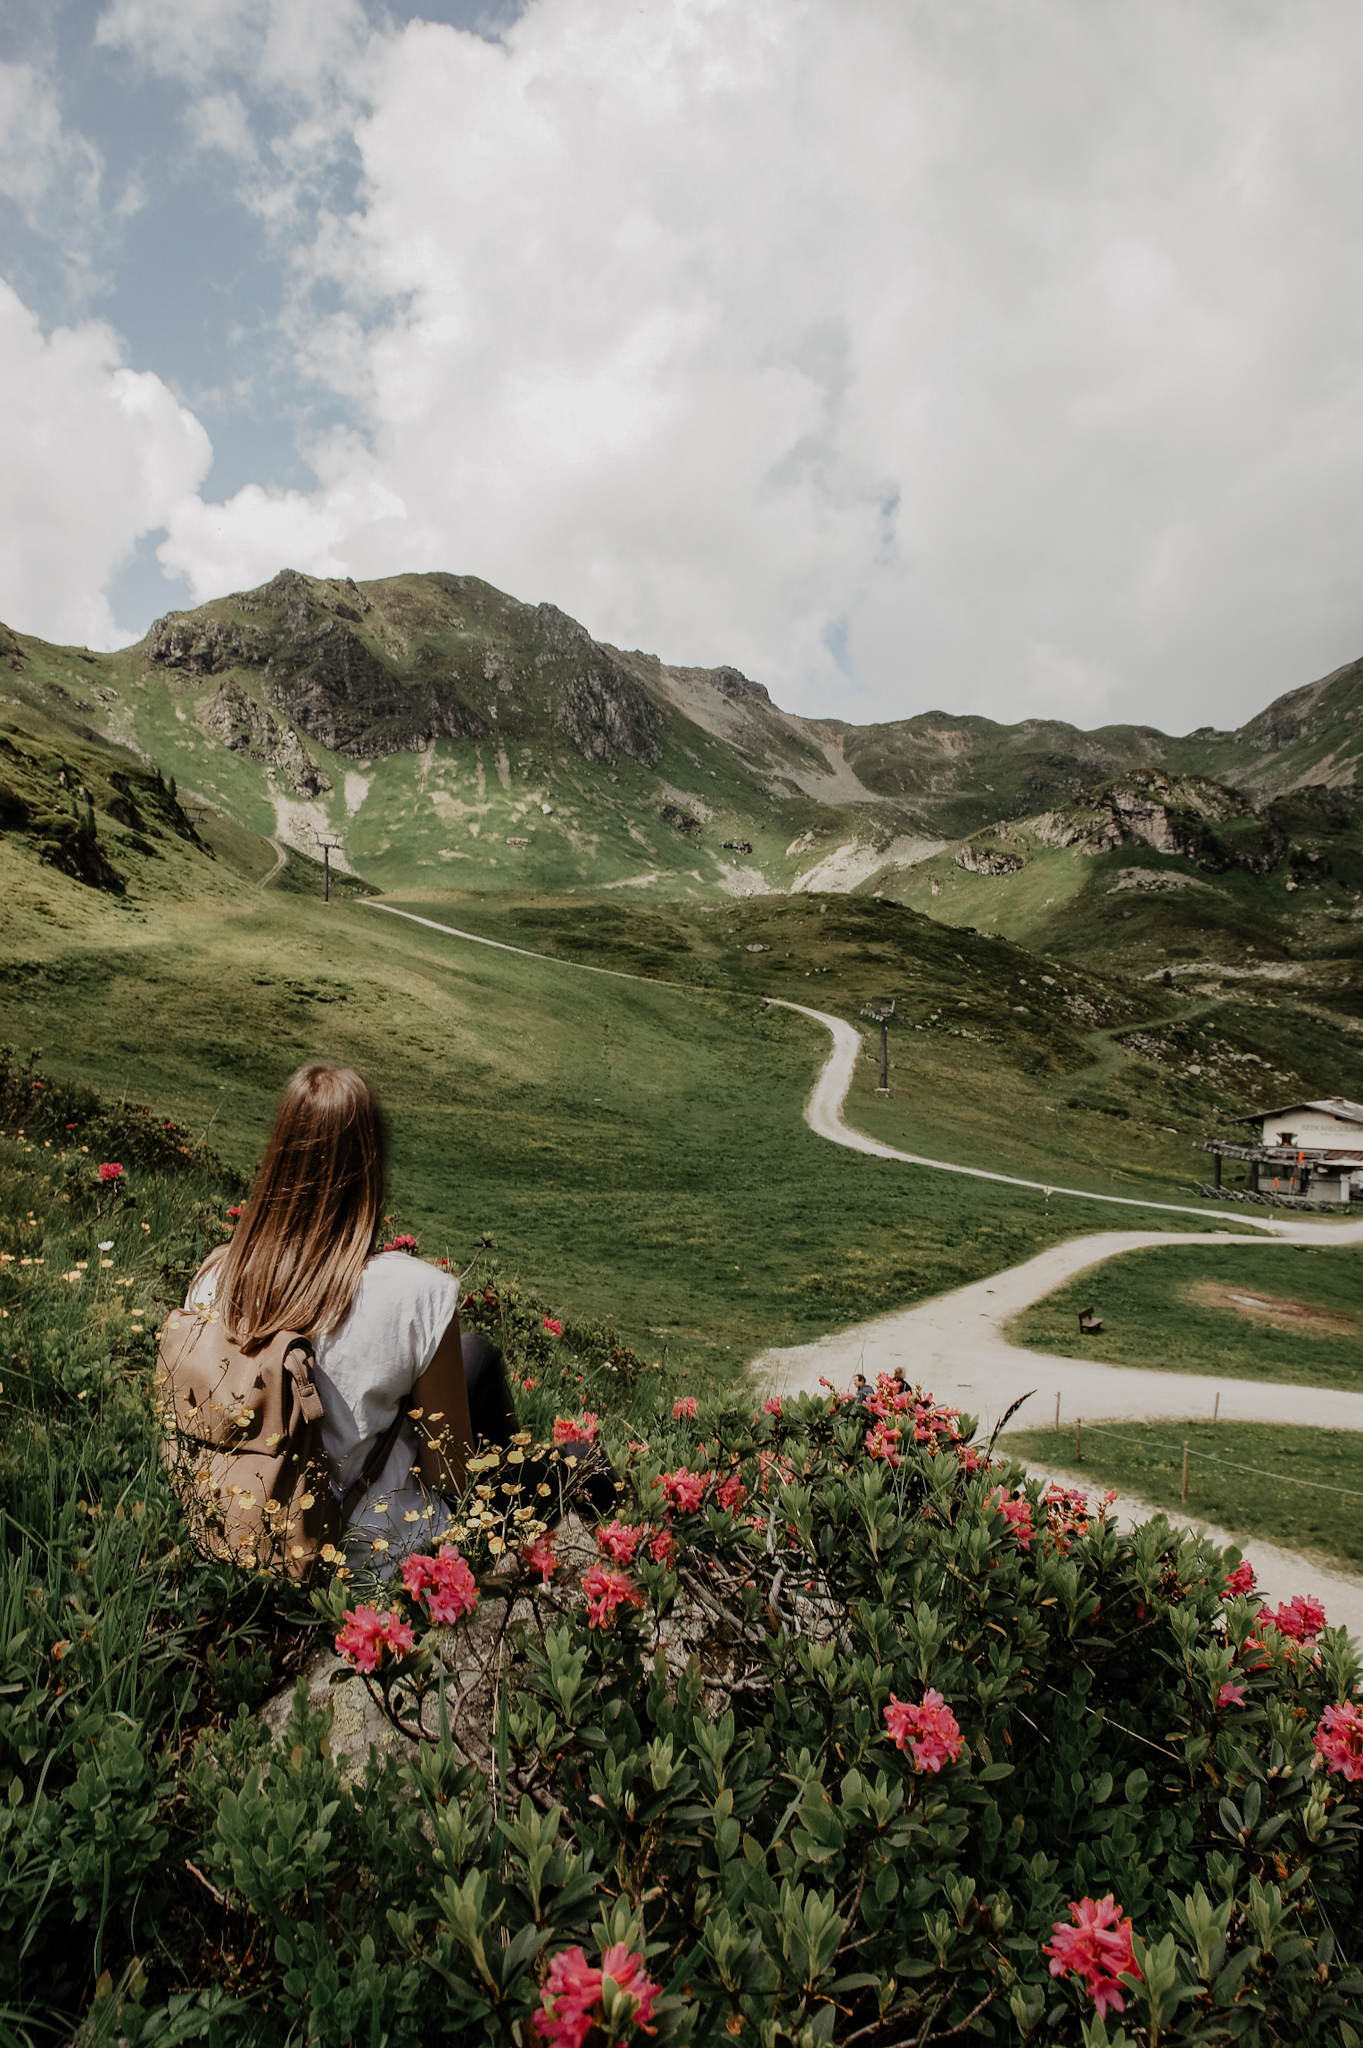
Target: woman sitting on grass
{"type": "Point", "coordinates": [302, 1259]}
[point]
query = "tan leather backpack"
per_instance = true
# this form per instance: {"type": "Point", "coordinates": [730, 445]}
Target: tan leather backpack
{"type": "Point", "coordinates": [243, 1443]}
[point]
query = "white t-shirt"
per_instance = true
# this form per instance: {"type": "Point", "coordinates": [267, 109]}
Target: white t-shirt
{"type": "Point", "coordinates": [365, 1372]}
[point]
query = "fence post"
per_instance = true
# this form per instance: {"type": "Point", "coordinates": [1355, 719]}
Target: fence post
{"type": "Point", "coordinates": [1078, 1439]}
{"type": "Point", "coordinates": [1185, 1473]}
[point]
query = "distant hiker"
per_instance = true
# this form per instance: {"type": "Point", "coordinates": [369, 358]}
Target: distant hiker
{"type": "Point", "coordinates": [861, 1389]}
{"type": "Point", "coordinates": [382, 1328]}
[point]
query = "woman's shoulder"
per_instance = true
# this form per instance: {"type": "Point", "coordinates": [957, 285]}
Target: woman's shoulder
{"type": "Point", "coordinates": [398, 1277]}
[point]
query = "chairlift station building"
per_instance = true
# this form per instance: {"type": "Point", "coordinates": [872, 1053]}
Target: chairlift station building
{"type": "Point", "coordinates": [1307, 1151]}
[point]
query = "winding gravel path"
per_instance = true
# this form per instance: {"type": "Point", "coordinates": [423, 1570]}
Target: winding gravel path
{"type": "Point", "coordinates": [955, 1342]}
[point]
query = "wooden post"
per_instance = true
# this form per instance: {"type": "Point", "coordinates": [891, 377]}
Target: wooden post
{"type": "Point", "coordinates": [885, 1055]}
{"type": "Point", "coordinates": [326, 871]}
{"type": "Point", "coordinates": [1078, 1439]}
{"type": "Point", "coordinates": [1057, 1411]}
{"type": "Point", "coordinates": [1216, 1171]}
{"type": "Point", "coordinates": [1216, 1406]}
{"type": "Point", "coordinates": [1185, 1474]}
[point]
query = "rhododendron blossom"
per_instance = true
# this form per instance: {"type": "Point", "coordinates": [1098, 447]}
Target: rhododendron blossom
{"type": "Point", "coordinates": [664, 1547]}
{"type": "Point", "coordinates": [367, 1634]}
{"type": "Point", "coordinates": [883, 1442]}
{"type": "Point", "coordinates": [572, 2002]}
{"type": "Point", "coordinates": [111, 1170]}
{"type": "Point", "coordinates": [1231, 1695]}
{"type": "Point", "coordinates": [684, 1408]}
{"type": "Point", "coordinates": [582, 1431]}
{"type": "Point", "coordinates": [1017, 1513]}
{"type": "Point", "coordinates": [606, 1590]}
{"type": "Point", "coordinates": [1301, 1620]}
{"type": "Point", "coordinates": [552, 1325]}
{"type": "Point", "coordinates": [1339, 1739]}
{"type": "Point", "coordinates": [732, 1494]}
{"type": "Point", "coordinates": [1097, 1948]}
{"type": "Point", "coordinates": [444, 1584]}
{"type": "Point", "coordinates": [684, 1489]}
{"type": "Point", "coordinates": [619, 1541]}
{"type": "Point", "coordinates": [931, 1732]}
{"type": "Point", "coordinates": [1241, 1580]}
{"type": "Point", "coordinates": [772, 1406]}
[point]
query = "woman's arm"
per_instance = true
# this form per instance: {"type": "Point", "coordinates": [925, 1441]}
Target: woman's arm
{"type": "Point", "coordinates": [443, 1429]}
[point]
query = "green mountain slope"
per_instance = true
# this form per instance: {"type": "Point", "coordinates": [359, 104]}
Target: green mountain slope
{"type": "Point", "coordinates": [441, 730]}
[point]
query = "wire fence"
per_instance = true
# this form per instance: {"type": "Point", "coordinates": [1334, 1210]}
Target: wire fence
{"type": "Point", "coordinates": [1231, 1465]}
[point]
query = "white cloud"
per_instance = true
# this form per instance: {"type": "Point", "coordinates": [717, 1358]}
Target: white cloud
{"type": "Point", "coordinates": [93, 456]}
{"type": "Point", "coordinates": [49, 172]}
{"type": "Point", "coordinates": [1003, 357]}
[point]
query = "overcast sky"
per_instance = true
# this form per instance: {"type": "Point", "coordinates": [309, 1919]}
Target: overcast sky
{"type": "Point", "coordinates": [990, 355]}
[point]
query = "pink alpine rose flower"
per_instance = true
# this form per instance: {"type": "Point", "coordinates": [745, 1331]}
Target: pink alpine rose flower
{"type": "Point", "coordinates": [582, 1431]}
{"type": "Point", "coordinates": [931, 1732]}
{"type": "Point", "coordinates": [444, 1584]}
{"type": "Point", "coordinates": [619, 1541]}
{"type": "Point", "coordinates": [539, 1556]}
{"type": "Point", "coordinates": [1339, 1739]}
{"type": "Point", "coordinates": [684, 1408]}
{"type": "Point", "coordinates": [111, 1170]}
{"type": "Point", "coordinates": [1241, 1580]}
{"type": "Point", "coordinates": [1231, 1695]}
{"type": "Point", "coordinates": [732, 1494]}
{"type": "Point", "coordinates": [368, 1633]}
{"type": "Point", "coordinates": [606, 1590]}
{"type": "Point", "coordinates": [773, 1406]}
{"type": "Point", "coordinates": [684, 1489]}
{"type": "Point", "coordinates": [663, 1548]}
{"type": "Point", "coordinates": [552, 1325]}
{"type": "Point", "coordinates": [1301, 1620]}
{"type": "Point", "coordinates": [1097, 1948]}
{"type": "Point", "coordinates": [572, 2002]}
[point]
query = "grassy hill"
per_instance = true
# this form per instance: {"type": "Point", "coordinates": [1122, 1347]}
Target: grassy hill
{"type": "Point", "coordinates": [449, 734]}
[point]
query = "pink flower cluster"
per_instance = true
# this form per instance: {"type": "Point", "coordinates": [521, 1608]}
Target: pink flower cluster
{"type": "Point", "coordinates": [572, 2000]}
{"type": "Point", "coordinates": [1339, 1739]}
{"type": "Point", "coordinates": [444, 1584]}
{"type": "Point", "coordinates": [606, 1590]}
{"type": "Point", "coordinates": [1097, 1948]}
{"type": "Point", "coordinates": [552, 1325]}
{"type": "Point", "coordinates": [582, 1431]}
{"type": "Point", "coordinates": [684, 1408]}
{"type": "Point", "coordinates": [883, 1442]}
{"type": "Point", "coordinates": [368, 1633]}
{"type": "Point", "coordinates": [1231, 1695]}
{"type": "Point", "coordinates": [401, 1244]}
{"type": "Point", "coordinates": [684, 1489]}
{"type": "Point", "coordinates": [1301, 1620]}
{"type": "Point", "coordinates": [1241, 1580]}
{"type": "Point", "coordinates": [932, 1732]}
{"type": "Point", "coordinates": [1017, 1513]}
{"type": "Point", "coordinates": [1067, 1515]}
{"type": "Point", "coordinates": [111, 1170]}
{"type": "Point", "coordinates": [731, 1494]}
{"type": "Point", "coordinates": [539, 1556]}
{"type": "Point", "coordinates": [772, 1406]}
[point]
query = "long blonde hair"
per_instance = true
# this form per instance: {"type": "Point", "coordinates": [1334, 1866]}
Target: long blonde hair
{"type": "Point", "coordinates": [309, 1223]}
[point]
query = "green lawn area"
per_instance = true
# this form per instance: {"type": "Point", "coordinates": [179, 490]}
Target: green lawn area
{"type": "Point", "coordinates": [636, 1149]}
{"type": "Point", "coordinates": [1287, 1497]}
{"type": "Point", "coordinates": [1174, 1308]}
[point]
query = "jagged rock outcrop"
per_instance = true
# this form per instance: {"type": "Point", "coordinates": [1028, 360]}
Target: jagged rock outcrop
{"type": "Point", "coordinates": [249, 728]}
{"type": "Point", "coordinates": [987, 860]}
{"type": "Point", "coordinates": [604, 712]}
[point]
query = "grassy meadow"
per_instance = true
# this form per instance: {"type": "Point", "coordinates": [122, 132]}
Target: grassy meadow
{"type": "Point", "coordinates": [1286, 1498]}
{"type": "Point", "coordinates": [1260, 1312]}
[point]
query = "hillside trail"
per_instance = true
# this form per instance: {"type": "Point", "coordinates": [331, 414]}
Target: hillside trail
{"type": "Point", "coordinates": [955, 1343]}
{"type": "Point", "coordinates": [281, 854]}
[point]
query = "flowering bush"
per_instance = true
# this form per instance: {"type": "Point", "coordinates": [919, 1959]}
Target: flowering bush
{"type": "Point", "coordinates": [684, 1408]}
{"type": "Point", "coordinates": [842, 1749]}
{"type": "Point", "coordinates": [403, 1243]}
{"type": "Point", "coordinates": [111, 1170]}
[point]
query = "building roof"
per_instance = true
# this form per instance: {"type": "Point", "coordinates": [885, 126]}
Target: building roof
{"type": "Point", "coordinates": [1333, 1105]}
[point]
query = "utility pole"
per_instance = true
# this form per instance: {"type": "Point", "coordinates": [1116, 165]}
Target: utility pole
{"type": "Point", "coordinates": [881, 1011]}
{"type": "Point", "coordinates": [328, 846]}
